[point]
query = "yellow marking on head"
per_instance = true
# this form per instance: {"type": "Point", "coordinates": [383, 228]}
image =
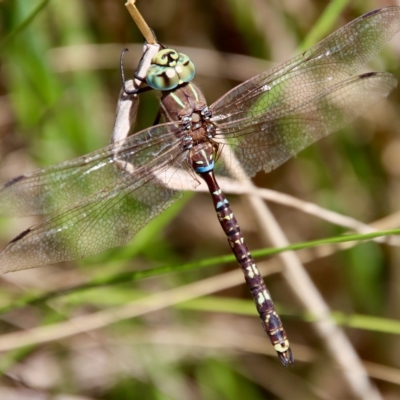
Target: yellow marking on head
{"type": "Point", "coordinates": [170, 73]}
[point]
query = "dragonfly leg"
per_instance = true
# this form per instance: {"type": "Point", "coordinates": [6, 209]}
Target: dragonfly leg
{"type": "Point", "coordinates": [158, 118]}
{"type": "Point", "coordinates": [137, 76]}
{"type": "Point", "coordinates": [128, 99]}
{"type": "Point", "coordinates": [121, 67]}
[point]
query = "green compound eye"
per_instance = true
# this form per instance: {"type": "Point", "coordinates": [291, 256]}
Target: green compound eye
{"type": "Point", "coordinates": [169, 69]}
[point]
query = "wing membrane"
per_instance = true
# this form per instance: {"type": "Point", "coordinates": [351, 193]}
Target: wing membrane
{"type": "Point", "coordinates": [271, 139]}
{"type": "Point", "coordinates": [312, 73]}
{"type": "Point", "coordinates": [114, 192]}
{"type": "Point", "coordinates": [62, 185]}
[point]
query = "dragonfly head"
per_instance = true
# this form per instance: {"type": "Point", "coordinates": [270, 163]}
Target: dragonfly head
{"type": "Point", "coordinates": [169, 69]}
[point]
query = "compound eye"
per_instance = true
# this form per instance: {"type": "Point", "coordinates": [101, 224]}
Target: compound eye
{"type": "Point", "coordinates": [185, 68]}
{"type": "Point", "coordinates": [162, 78]}
{"type": "Point", "coordinates": [169, 69]}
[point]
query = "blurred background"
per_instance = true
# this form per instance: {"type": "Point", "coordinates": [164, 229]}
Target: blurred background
{"type": "Point", "coordinates": [59, 83]}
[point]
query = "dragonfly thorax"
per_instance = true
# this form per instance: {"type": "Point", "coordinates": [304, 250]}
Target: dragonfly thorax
{"type": "Point", "coordinates": [181, 101]}
{"type": "Point", "coordinates": [187, 105]}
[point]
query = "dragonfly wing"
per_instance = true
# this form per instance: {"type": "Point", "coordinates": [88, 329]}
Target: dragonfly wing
{"type": "Point", "coordinates": [138, 181]}
{"type": "Point", "coordinates": [270, 140]}
{"type": "Point", "coordinates": [313, 72]}
{"type": "Point", "coordinates": [60, 186]}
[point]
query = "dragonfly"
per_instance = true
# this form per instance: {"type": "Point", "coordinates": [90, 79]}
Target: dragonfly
{"type": "Point", "coordinates": [102, 199]}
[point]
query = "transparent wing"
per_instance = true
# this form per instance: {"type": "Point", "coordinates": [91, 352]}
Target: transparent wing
{"type": "Point", "coordinates": [62, 185]}
{"type": "Point", "coordinates": [271, 139]}
{"type": "Point", "coordinates": [313, 72]}
{"type": "Point", "coordinates": [97, 201]}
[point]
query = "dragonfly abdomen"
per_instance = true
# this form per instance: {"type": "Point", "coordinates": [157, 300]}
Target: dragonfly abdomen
{"type": "Point", "coordinates": [202, 158]}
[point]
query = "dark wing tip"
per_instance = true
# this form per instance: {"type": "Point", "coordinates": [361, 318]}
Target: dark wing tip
{"type": "Point", "coordinates": [13, 180]}
{"type": "Point", "coordinates": [368, 75]}
{"type": "Point", "coordinates": [373, 12]}
{"type": "Point", "coordinates": [21, 235]}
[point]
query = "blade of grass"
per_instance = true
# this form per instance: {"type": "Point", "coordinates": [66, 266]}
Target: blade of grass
{"type": "Point", "coordinates": [138, 275]}
{"type": "Point", "coordinates": [324, 24]}
{"type": "Point", "coordinates": [23, 24]}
